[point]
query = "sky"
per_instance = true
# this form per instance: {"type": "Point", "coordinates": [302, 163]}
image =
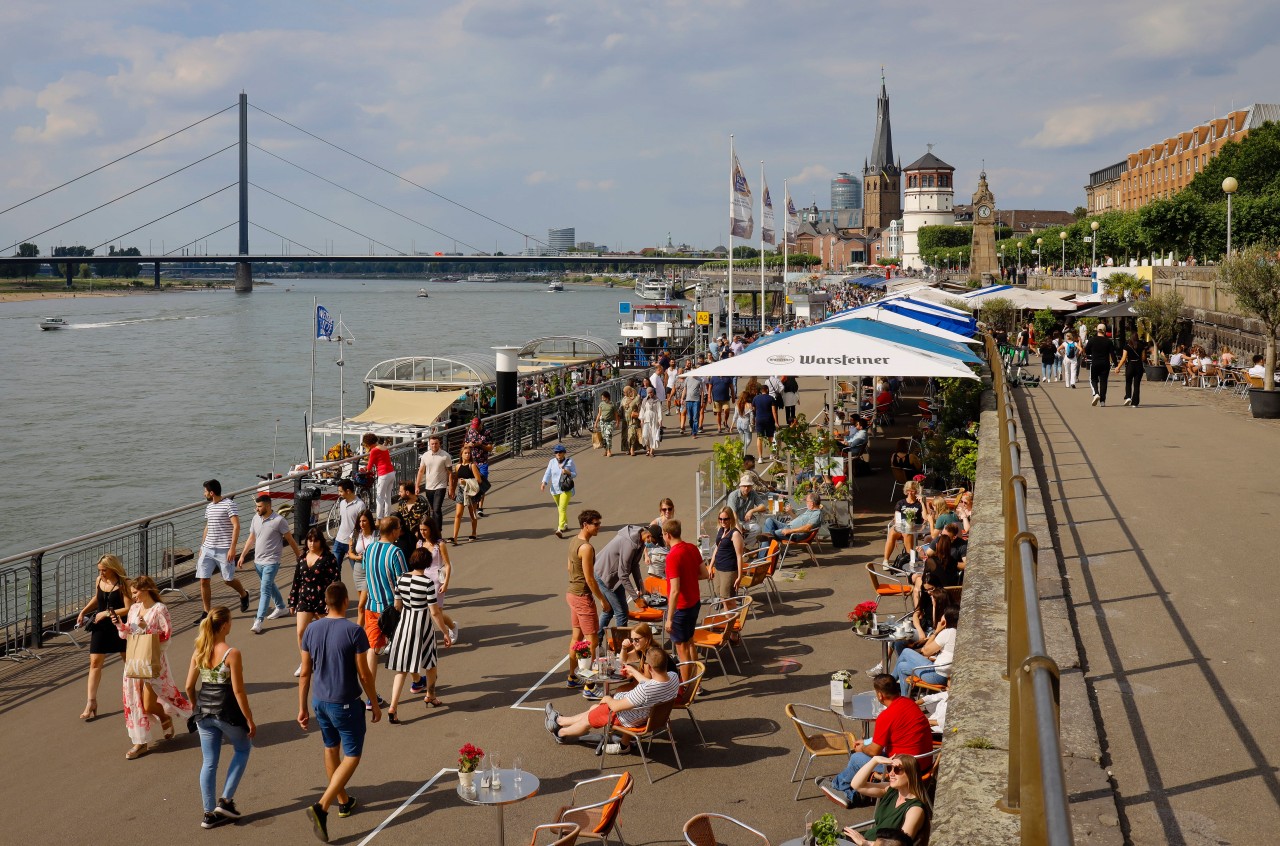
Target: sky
{"type": "Point", "coordinates": [611, 117]}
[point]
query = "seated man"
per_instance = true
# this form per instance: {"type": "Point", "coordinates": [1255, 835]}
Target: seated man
{"type": "Point", "coordinates": [746, 501]}
{"type": "Point", "coordinates": [1258, 370]}
{"type": "Point", "coordinates": [856, 444]}
{"type": "Point", "coordinates": [799, 524]}
{"type": "Point", "coordinates": [749, 469]}
{"type": "Point", "coordinates": [655, 684]}
{"type": "Point", "coordinates": [901, 729]}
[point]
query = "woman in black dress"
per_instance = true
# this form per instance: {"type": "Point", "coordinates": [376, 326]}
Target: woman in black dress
{"type": "Point", "coordinates": [112, 594]}
{"type": "Point", "coordinates": [315, 572]}
{"type": "Point", "coordinates": [467, 473]}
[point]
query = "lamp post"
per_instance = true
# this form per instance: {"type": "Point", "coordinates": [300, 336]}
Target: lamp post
{"type": "Point", "coordinates": [1229, 187]}
{"type": "Point", "coordinates": [1017, 271]}
{"type": "Point", "coordinates": [1062, 236]}
{"type": "Point", "coordinates": [1093, 227]}
{"type": "Point", "coordinates": [1001, 257]}
{"type": "Point", "coordinates": [1039, 254]}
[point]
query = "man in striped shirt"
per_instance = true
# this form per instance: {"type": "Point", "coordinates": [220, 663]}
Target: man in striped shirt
{"type": "Point", "coordinates": [384, 564]}
{"type": "Point", "coordinates": [218, 546]}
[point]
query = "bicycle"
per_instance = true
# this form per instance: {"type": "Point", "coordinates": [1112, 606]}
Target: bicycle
{"type": "Point", "coordinates": [364, 492]}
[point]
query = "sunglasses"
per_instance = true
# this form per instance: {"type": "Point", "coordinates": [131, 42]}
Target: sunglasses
{"type": "Point", "coordinates": [896, 769]}
{"type": "Point", "coordinates": [723, 519]}
{"type": "Point", "coordinates": [664, 510]}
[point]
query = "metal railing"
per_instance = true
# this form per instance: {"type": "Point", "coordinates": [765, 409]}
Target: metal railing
{"type": "Point", "coordinates": [1037, 785]}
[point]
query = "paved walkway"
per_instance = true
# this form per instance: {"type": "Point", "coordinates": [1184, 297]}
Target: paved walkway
{"type": "Point", "coordinates": [1165, 518]}
{"type": "Point", "coordinates": [71, 780]}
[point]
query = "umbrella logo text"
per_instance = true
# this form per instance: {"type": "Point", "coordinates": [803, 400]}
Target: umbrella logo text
{"type": "Point", "coordinates": [781, 359]}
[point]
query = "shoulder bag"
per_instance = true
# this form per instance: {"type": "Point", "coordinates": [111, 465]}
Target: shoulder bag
{"type": "Point", "coordinates": [219, 700]}
{"type": "Point", "coordinates": [388, 620]}
{"type": "Point", "coordinates": [142, 656]}
{"type": "Point", "coordinates": [566, 482]}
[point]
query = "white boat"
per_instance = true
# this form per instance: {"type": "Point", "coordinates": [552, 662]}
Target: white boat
{"type": "Point", "coordinates": [659, 325]}
{"type": "Point", "coordinates": [53, 323]}
{"type": "Point", "coordinates": [483, 277]}
{"type": "Point", "coordinates": [655, 288]}
{"type": "Point", "coordinates": [422, 293]}
{"type": "Point", "coordinates": [555, 286]}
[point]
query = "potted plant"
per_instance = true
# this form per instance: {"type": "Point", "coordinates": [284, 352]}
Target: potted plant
{"type": "Point", "coordinates": [1159, 318]}
{"type": "Point", "coordinates": [841, 687]}
{"type": "Point", "coordinates": [1252, 276]}
{"type": "Point", "coordinates": [468, 761]}
{"type": "Point", "coordinates": [582, 652]}
{"type": "Point", "coordinates": [824, 832]}
{"type": "Point", "coordinates": [728, 461]}
{"type": "Point", "coordinates": [863, 615]}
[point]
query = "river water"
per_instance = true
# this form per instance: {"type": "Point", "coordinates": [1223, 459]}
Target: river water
{"type": "Point", "coordinates": [130, 409]}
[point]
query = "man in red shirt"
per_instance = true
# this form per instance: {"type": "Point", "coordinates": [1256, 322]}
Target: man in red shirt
{"type": "Point", "coordinates": [901, 729]}
{"type": "Point", "coordinates": [684, 596]}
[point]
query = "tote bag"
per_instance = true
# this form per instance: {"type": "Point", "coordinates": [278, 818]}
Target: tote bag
{"type": "Point", "coordinates": [142, 656]}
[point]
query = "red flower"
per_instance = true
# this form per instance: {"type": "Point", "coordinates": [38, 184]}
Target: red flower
{"type": "Point", "coordinates": [863, 611]}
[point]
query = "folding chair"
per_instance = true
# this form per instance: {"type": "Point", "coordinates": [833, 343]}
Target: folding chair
{"type": "Point", "coordinates": [598, 820]}
{"type": "Point", "coordinates": [817, 740]}
{"type": "Point", "coordinates": [689, 694]}
{"type": "Point", "coordinates": [658, 725]}
{"type": "Point", "coordinates": [698, 831]}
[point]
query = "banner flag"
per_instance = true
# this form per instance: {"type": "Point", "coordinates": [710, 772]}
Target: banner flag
{"type": "Point", "coordinates": [324, 324]}
{"type": "Point", "coordinates": [767, 225]}
{"type": "Point", "coordinates": [741, 223]}
{"type": "Point", "coordinates": [792, 222]}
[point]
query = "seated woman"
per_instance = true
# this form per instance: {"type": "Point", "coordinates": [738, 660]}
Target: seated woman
{"type": "Point", "coordinates": [964, 510]}
{"type": "Point", "coordinates": [930, 600]}
{"type": "Point", "coordinates": [908, 519]}
{"type": "Point", "coordinates": [901, 802]}
{"type": "Point", "coordinates": [902, 459]}
{"type": "Point", "coordinates": [932, 661]}
{"type": "Point", "coordinates": [942, 515]}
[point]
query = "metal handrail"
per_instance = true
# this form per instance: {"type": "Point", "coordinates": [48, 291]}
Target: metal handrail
{"type": "Point", "coordinates": [1036, 783]}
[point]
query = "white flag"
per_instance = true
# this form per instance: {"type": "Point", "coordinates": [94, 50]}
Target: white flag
{"type": "Point", "coordinates": [741, 223]}
{"type": "Point", "coordinates": [791, 222]}
{"type": "Point", "coordinates": [766, 225]}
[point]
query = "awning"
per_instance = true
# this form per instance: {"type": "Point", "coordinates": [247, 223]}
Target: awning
{"type": "Point", "coordinates": [1124, 308]}
{"type": "Point", "coordinates": [407, 408]}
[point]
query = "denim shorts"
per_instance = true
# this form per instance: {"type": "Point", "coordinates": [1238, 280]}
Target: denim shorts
{"type": "Point", "coordinates": [683, 622]}
{"type": "Point", "coordinates": [211, 559]}
{"type": "Point", "coordinates": [341, 724]}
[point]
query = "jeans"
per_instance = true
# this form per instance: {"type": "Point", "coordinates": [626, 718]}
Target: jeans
{"type": "Point", "coordinates": [692, 408]}
{"type": "Point", "coordinates": [1098, 382]}
{"type": "Point", "coordinates": [1046, 371]}
{"type": "Point", "coordinates": [267, 590]}
{"type": "Point", "coordinates": [562, 510]}
{"type": "Point", "coordinates": [435, 500]}
{"type": "Point", "coordinates": [618, 602]}
{"type": "Point", "coordinates": [340, 551]}
{"type": "Point", "coordinates": [212, 730]}
{"type": "Point", "coordinates": [856, 762]}
{"type": "Point", "coordinates": [1132, 384]}
{"type": "Point", "coordinates": [908, 662]}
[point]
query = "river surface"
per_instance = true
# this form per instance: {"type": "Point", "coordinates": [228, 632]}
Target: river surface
{"type": "Point", "coordinates": [144, 397]}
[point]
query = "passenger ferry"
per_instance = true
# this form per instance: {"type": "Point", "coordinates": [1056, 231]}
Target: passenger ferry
{"type": "Point", "coordinates": [658, 325]}
{"type": "Point", "coordinates": [655, 288]}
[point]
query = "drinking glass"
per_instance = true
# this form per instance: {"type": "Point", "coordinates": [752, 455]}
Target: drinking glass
{"type": "Point", "coordinates": [495, 779]}
{"type": "Point", "coordinates": [808, 823]}
{"type": "Point", "coordinates": [518, 765]}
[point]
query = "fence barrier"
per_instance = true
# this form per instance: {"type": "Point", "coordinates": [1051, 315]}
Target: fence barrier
{"type": "Point", "coordinates": [1037, 786]}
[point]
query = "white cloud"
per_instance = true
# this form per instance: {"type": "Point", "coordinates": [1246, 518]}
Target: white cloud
{"type": "Point", "coordinates": [612, 40]}
{"type": "Point", "coordinates": [813, 173]}
{"type": "Point", "coordinates": [1074, 126]}
{"type": "Point", "coordinates": [538, 177]}
{"type": "Point", "coordinates": [595, 185]}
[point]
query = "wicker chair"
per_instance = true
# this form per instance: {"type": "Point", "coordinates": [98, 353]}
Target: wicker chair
{"type": "Point", "coordinates": [598, 820]}
{"type": "Point", "coordinates": [817, 740]}
{"type": "Point", "coordinates": [698, 831]}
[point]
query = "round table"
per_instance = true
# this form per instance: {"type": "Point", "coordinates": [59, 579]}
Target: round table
{"type": "Point", "coordinates": [863, 707]}
{"type": "Point", "coordinates": [799, 841]}
{"type": "Point", "coordinates": [886, 642]}
{"type": "Point", "coordinates": [508, 794]}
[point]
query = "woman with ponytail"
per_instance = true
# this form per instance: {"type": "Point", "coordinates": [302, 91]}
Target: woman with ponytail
{"type": "Point", "coordinates": [222, 710]}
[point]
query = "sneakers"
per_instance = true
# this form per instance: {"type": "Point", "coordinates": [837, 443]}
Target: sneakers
{"type": "Point", "coordinates": [1128, 401]}
{"type": "Point", "coordinates": [837, 796]}
{"type": "Point", "coordinates": [876, 670]}
{"type": "Point", "coordinates": [278, 613]}
{"type": "Point", "coordinates": [256, 628]}
{"type": "Point", "coordinates": [382, 703]}
{"type": "Point", "coordinates": [560, 534]}
{"type": "Point", "coordinates": [572, 683]}
{"type": "Point", "coordinates": [212, 820]}
{"type": "Point", "coordinates": [1095, 399]}
{"type": "Point", "coordinates": [297, 672]}
{"type": "Point", "coordinates": [616, 749]}
{"type": "Point", "coordinates": [420, 686]}
{"type": "Point", "coordinates": [244, 602]}
{"type": "Point", "coordinates": [1102, 404]}
{"type": "Point", "coordinates": [320, 822]}
{"type": "Point", "coordinates": [593, 693]}
{"type": "Point", "coordinates": [552, 719]}
{"type": "Point", "coordinates": [347, 808]}
{"type": "Point", "coordinates": [453, 632]}
{"type": "Point", "coordinates": [227, 808]}
{"type": "Point", "coordinates": [479, 512]}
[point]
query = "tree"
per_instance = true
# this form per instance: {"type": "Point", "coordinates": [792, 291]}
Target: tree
{"type": "Point", "coordinates": [1125, 286]}
{"type": "Point", "coordinates": [1159, 318]}
{"type": "Point", "coordinates": [128, 270]}
{"type": "Point", "coordinates": [1045, 321]}
{"type": "Point", "coordinates": [1080, 212]}
{"type": "Point", "coordinates": [21, 269]}
{"type": "Point", "coordinates": [1252, 276]}
{"type": "Point", "coordinates": [76, 251]}
{"type": "Point", "coordinates": [998, 313]}
{"type": "Point", "coordinates": [745, 253]}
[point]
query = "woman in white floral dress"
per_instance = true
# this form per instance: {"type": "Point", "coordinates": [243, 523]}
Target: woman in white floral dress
{"type": "Point", "coordinates": [150, 704]}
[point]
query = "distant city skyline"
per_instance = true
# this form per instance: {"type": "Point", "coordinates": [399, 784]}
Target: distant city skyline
{"type": "Point", "coordinates": [616, 117]}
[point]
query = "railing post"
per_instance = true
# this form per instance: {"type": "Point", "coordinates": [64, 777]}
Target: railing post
{"type": "Point", "coordinates": [37, 599]}
{"type": "Point", "coordinates": [143, 558]}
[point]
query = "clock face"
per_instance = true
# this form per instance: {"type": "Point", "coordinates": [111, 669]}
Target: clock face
{"type": "Point", "coordinates": [984, 212]}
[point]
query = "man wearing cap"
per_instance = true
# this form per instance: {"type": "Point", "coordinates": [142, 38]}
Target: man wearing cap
{"type": "Point", "coordinates": [745, 501]}
{"type": "Point", "coordinates": [558, 467]}
{"type": "Point", "coordinates": [1100, 351]}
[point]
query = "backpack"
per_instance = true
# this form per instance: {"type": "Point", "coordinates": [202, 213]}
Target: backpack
{"type": "Point", "coordinates": [1071, 350]}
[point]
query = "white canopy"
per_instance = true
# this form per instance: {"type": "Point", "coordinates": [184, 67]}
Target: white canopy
{"type": "Point", "coordinates": [893, 318]}
{"type": "Point", "coordinates": [1023, 298]}
{"type": "Point", "coordinates": [408, 408]}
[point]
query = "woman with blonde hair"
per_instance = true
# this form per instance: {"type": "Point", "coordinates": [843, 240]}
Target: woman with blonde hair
{"type": "Point", "coordinates": [221, 711]}
{"type": "Point", "coordinates": [725, 567]}
{"type": "Point", "coordinates": [630, 420]}
{"type": "Point", "coordinates": [112, 594]}
{"type": "Point", "coordinates": [154, 702]}
{"type": "Point", "coordinates": [900, 802]}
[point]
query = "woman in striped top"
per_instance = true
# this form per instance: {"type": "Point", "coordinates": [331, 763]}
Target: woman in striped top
{"type": "Point", "coordinates": [413, 648]}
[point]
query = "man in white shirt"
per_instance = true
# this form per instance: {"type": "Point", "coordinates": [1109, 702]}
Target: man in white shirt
{"type": "Point", "coordinates": [349, 508]}
{"type": "Point", "coordinates": [435, 478]}
{"type": "Point", "coordinates": [268, 533]}
{"type": "Point", "coordinates": [656, 684]}
{"type": "Point", "coordinates": [737, 346]}
{"type": "Point", "coordinates": [218, 546]}
{"type": "Point", "coordinates": [1258, 370]}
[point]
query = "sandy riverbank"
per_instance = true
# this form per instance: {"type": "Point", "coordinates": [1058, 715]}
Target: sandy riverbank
{"type": "Point", "coordinates": [23, 296]}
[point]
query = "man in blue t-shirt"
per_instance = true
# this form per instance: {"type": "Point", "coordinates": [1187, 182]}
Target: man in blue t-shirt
{"type": "Point", "coordinates": [331, 654]}
{"type": "Point", "coordinates": [722, 399]}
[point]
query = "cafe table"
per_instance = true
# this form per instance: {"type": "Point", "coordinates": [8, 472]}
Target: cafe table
{"type": "Point", "coordinates": [886, 639]}
{"type": "Point", "coordinates": [508, 794]}
{"type": "Point", "coordinates": [863, 707]}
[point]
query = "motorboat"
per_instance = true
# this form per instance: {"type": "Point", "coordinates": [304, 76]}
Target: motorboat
{"type": "Point", "coordinates": [555, 286]}
{"type": "Point", "coordinates": [53, 323]}
{"type": "Point", "coordinates": [422, 293]}
{"type": "Point", "coordinates": [655, 288]}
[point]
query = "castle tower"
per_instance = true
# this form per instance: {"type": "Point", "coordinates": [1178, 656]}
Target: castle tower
{"type": "Point", "coordinates": [928, 200]}
{"type": "Point", "coordinates": [881, 183]}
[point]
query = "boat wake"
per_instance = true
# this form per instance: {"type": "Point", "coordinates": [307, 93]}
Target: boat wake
{"type": "Point", "coordinates": [129, 322]}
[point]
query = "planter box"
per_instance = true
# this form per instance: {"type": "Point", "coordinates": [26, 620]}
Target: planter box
{"type": "Point", "coordinates": [1264, 404]}
{"type": "Point", "coordinates": [1155, 372]}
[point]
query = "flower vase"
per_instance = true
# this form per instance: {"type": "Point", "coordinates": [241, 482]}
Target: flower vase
{"type": "Point", "coordinates": [468, 782]}
{"type": "Point", "coordinates": [584, 665]}
{"type": "Point", "coordinates": [863, 627]}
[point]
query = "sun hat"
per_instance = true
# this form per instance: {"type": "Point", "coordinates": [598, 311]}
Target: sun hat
{"type": "Point", "coordinates": [746, 480]}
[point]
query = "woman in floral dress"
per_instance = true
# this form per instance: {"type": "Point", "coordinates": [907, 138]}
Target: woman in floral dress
{"type": "Point", "coordinates": [149, 703]}
{"type": "Point", "coordinates": [315, 572]}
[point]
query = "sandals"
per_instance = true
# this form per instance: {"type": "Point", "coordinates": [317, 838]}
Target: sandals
{"type": "Point", "coordinates": [136, 752]}
{"type": "Point", "coordinates": [90, 711]}
{"type": "Point", "coordinates": [472, 538]}
{"type": "Point", "coordinates": [167, 724]}
{"type": "Point", "coordinates": [431, 701]}
{"type": "Point", "coordinates": [393, 719]}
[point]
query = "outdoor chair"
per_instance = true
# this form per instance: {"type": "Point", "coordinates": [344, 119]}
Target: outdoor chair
{"type": "Point", "coordinates": [698, 831]}
{"type": "Point", "coordinates": [1211, 377]}
{"type": "Point", "coordinates": [758, 574]}
{"type": "Point", "coordinates": [886, 585]}
{"type": "Point", "coordinates": [1256, 382]}
{"type": "Point", "coordinates": [566, 834]}
{"type": "Point", "coordinates": [805, 541]}
{"type": "Point", "coordinates": [713, 634]}
{"type": "Point", "coordinates": [742, 608]}
{"type": "Point", "coordinates": [689, 694]}
{"type": "Point", "coordinates": [657, 727]}
{"type": "Point", "coordinates": [818, 741]}
{"type": "Point", "coordinates": [900, 478]}
{"type": "Point", "coordinates": [598, 820]}
{"type": "Point", "coordinates": [914, 682]}
{"type": "Point", "coordinates": [1174, 376]}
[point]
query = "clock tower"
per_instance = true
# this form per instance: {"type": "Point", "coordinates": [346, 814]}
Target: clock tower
{"type": "Point", "coordinates": [982, 252]}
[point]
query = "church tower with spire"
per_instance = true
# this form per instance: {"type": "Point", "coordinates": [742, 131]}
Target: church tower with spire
{"type": "Point", "coordinates": [881, 175]}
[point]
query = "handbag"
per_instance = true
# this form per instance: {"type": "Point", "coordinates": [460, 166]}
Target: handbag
{"type": "Point", "coordinates": [142, 656]}
{"type": "Point", "coordinates": [597, 440]}
{"type": "Point", "coordinates": [388, 620]}
{"type": "Point", "coordinates": [566, 482]}
{"type": "Point", "coordinates": [219, 700]}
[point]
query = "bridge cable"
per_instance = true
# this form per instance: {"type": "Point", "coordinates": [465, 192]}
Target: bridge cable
{"type": "Point", "coordinates": [121, 197]}
{"type": "Point", "coordinates": [114, 161]}
{"type": "Point", "coordinates": [402, 178]}
{"type": "Point", "coordinates": [363, 197]}
{"type": "Point", "coordinates": [163, 216]}
{"type": "Point", "coordinates": [197, 240]}
{"type": "Point", "coordinates": [330, 220]}
{"type": "Point", "coordinates": [285, 238]}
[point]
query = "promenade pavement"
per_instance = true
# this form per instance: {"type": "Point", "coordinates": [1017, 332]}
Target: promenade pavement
{"type": "Point", "coordinates": [66, 781]}
{"type": "Point", "coordinates": [1162, 516]}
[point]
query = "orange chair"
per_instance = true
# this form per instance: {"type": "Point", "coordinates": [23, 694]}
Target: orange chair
{"type": "Point", "coordinates": [598, 820]}
{"type": "Point", "coordinates": [658, 724]}
{"type": "Point", "coordinates": [886, 585]}
{"type": "Point", "coordinates": [713, 634]}
{"type": "Point", "coordinates": [698, 831]}
{"type": "Point", "coordinates": [818, 741]}
{"type": "Point", "coordinates": [806, 541]}
{"type": "Point", "coordinates": [689, 694]}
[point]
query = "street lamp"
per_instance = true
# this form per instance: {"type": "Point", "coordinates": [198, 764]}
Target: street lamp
{"type": "Point", "coordinates": [1062, 236]}
{"type": "Point", "coordinates": [1017, 271]}
{"type": "Point", "coordinates": [1093, 227]}
{"type": "Point", "coordinates": [1001, 256]}
{"type": "Point", "coordinates": [1039, 253]}
{"type": "Point", "coordinates": [1229, 187]}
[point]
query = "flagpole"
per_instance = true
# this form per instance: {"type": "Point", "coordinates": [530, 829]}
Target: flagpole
{"type": "Point", "coordinates": [342, 417]}
{"type": "Point", "coordinates": [786, 231]}
{"type": "Point", "coordinates": [731, 211]}
{"type": "Point", "coordinates": [311, 421]}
